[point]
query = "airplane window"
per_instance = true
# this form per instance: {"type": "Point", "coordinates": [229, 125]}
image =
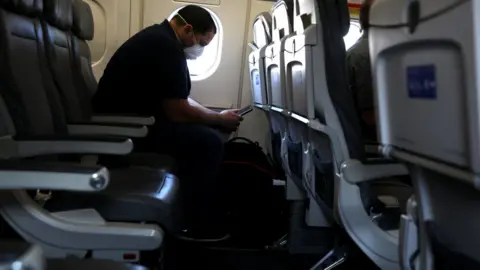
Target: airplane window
{"type": "Point", "coordinates": [204, 66]}
{"type": "Point", "coordinates": [353, 35]}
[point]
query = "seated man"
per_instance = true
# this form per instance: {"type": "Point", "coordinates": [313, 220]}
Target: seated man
{"type": "Point", "coordinates": [148, 75]}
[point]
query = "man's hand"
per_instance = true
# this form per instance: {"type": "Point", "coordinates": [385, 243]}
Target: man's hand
{"type": "Point", "coordinates": [230, 120]}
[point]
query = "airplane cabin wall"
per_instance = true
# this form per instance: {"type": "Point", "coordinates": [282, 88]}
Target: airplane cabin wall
{"type": "Point", "coordinates": [112, 28]}
{"type": "Point", "coordinates": [228, 86]}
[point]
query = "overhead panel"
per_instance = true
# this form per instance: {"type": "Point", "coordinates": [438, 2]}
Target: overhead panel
{"type": "Point", "coordinates": [204, 2]}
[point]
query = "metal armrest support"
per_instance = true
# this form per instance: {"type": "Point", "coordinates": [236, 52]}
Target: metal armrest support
{"type": "Point", "coordinates": [17, 147]}
{"type": "Point", "coordinates": [280, 111]}
{"type": "Point", "coordinates": [74, 232]}
{"type": "Point", "coordinates": [356, 172]}
{"type": "Point", "coordinates": [129, 131]}
{"type": "Point", "coordinates": [262, 107]}
{"type": "Point", "coordinates": [15, 174]}
{"type": "Point", "coordinates": [124, 119]}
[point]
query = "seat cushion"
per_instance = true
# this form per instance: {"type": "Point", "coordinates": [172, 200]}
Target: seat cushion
{"type": "Point", "coordinates": [150, 160]}
{"type": "Point", "coordinates": [134, 194]}
{"type": "Point", "coordinates": [77, 264]}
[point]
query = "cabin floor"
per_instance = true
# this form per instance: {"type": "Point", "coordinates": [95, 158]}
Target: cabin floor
{"type": "Point", "coordinates": [181, 256]}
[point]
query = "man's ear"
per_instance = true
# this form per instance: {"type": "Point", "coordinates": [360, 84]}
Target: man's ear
{"type": "Point", "coordinates": [188, 28]}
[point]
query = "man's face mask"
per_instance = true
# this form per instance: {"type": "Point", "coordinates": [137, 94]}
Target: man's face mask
{"type": "Point", "coordinates": [196, 50]}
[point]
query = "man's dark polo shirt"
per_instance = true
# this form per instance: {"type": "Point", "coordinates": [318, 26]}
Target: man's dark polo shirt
{"type": "Point", "coordinates": [147, 68]}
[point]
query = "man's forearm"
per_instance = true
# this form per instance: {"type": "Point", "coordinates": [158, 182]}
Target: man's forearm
{"type": "Point", "coordinates": [199, 113]}
{"type": "Point", "coordinates": [199, 106]}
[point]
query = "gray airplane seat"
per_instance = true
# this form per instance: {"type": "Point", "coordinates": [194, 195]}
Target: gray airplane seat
{"type": "Point", "coordinates": [155, 191]}
{"type": "Point", "coordinates": [326, 104]}
{"type": "Point", "coordinates": [262, 36]}
{"type": "Point", "coordinates": [70, 233]}
{"type": "Point", "coordinates": [82, 31]}
{"type": "Point", "coordinates": [275, 88]}
{"type": "Point", "coordinates": [299, 148]}
{"type": "Point", "coordinates": [38, 130]}
{"type": "Point", "coordinates": [17, 254]}
{"type": "Point", "coordinates": [68, 56]}
{"type": "Point", "coordinates": [426, 77]}
{"type": "Point", "coordinates": [21, 255]}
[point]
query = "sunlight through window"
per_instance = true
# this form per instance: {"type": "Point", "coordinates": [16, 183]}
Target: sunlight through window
{"type": "Point", "coordinates": [353, 35]}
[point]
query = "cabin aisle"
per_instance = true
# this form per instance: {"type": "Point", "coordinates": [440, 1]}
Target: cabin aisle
{"type": "Point", "coordinates": [181, 256]}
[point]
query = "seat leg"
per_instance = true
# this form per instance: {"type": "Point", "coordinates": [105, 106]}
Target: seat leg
{"type": "Point", "coordinates": [332, 259]}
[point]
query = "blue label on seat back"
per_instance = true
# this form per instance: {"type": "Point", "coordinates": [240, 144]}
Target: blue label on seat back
{"type": "Point", "coordinates": [422, 82]}
{"type": "Point", "coordinates": [257, 79]}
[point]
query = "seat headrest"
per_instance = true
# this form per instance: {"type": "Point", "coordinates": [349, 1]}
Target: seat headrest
{"type": "Point", "coordinates": [29, 8]}
{"type": "Point", "coordinates": [83, 23]}
{"type": "Point", "coordinates": [344, 17]}
{"type": "Point", "coordinates": [58, 13]}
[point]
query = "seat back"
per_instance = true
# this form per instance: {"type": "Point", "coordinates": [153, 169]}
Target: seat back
{"type": "Point", "coordinates": [262, 29]}
{"type": "Point", "coordinates": [282, 18]}
{"type": "Point", "coordinates": [24, 75]}
{"type": "Point", "coordinates": [57, 22]}
{"type": "Point", "coordinates": [332, 100]}
{"type": "Point", "coordinates": [426, 79]}
{"type": "Point", "coordinates": [297, 62]}
{"type": "Point", "coordinates": [295, 54]}
{"type": "Point", "coordinates": [325, 100]}
{"type": "Point", "coordinates": [274, 58]}
{"type": "Point", "coordinates": [256, 59]}
{"type": "Point", "coordinates": [83, 31]}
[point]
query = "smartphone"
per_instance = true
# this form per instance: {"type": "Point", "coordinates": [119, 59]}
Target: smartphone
{"type": "Point", "coordinates": [245, 110]}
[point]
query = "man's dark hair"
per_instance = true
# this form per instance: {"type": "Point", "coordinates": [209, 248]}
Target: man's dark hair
{"type": "Point", "coordinates": [365, 14]}
{"type": "Point", "coordinates": [200, 19]}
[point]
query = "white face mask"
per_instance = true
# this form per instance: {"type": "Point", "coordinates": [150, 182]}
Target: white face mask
{"type": "Point", "coordinates": [194, 52]}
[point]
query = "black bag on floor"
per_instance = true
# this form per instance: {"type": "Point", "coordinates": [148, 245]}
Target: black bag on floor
{"type": "Point", "coordinates": [256, 207]}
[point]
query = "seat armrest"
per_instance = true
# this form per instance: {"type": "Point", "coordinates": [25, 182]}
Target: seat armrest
{"type": "Point", "coordinates": [372, 147]}
{"type": "Point", "coordinates": [121, 130]}
{"type": "Point", "coordinates": [124, 119]}
{"type": "Point", "coordinates": [355, 172]}
{"type": "Point", "coordinates": [22, 174]}
{"type": "Point", "coordinates": [22, 147]}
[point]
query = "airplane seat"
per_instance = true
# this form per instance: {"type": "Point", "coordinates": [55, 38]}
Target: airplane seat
{"type": "Point", "coordinates": [16, 175]}
{"type": "Point", "coordinates": [330, 112]}
{"type": "Point", "coordinates": [57, 19]}
{"type": "Point", "coordinates": [262, 36]}
{"type": "Point", "coordinates": [21, 255]}
{"type": "Point", "coordinates": [279, 100]}
{"type": "Point", "coordinates": [39, 130]}
{"type": "Point", "coordinates": [309, 166]}
{"type": "Point", "coordinates": [62, 52]}
{"type": "Point", "coordinates": [83, 30]}
{"type": "Point", "coordinates": [427, 72]}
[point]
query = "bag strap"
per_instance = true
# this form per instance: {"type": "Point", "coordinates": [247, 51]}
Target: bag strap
{"type": "Point", "coordinates": [270, 159]}
{"type": "Point", "coordinates": [246, 140]}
